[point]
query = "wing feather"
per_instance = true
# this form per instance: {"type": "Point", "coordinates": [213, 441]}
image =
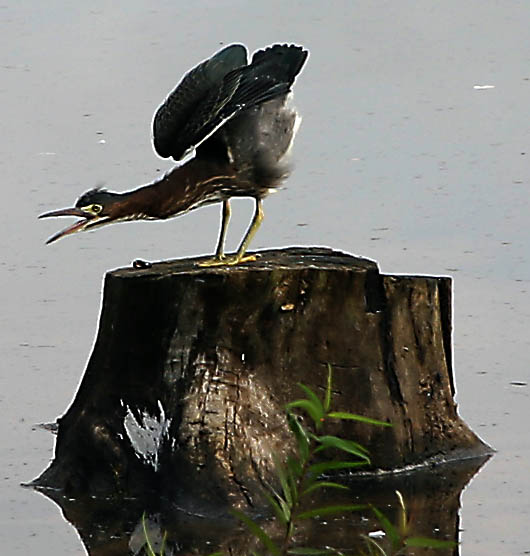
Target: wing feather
{"type": "Point", "coordinates": [200, 86]}
{"type": "Point", "coordinates": [219, 89]}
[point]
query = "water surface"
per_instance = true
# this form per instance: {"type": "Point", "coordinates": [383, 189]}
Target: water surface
{"type": "Point", "coordinates": [399, 159]}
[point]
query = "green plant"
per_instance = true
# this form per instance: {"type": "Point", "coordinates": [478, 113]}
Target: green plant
{"type": "Point", "coordinates": [399, 536]}
{"type": "Point", "coordinates": [300, 475]}
{"type": "Point", "coordinates": [149, 549]}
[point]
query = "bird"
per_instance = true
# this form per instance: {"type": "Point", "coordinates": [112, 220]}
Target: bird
{"type": "Point", "coordinates": [229, 124]}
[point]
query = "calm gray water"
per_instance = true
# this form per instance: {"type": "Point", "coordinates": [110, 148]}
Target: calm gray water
{"type": "Point", "coordinates": [400, 158]}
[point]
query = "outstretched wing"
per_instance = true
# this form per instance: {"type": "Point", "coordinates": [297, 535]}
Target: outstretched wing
{"type": "Point", "coordinates": [219, 89]}
{"type": "Point", "coordinates": [197, 99]}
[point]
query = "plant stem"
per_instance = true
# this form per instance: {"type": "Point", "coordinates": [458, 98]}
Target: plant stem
{"type": "Point", "coordinates": [300, 487]}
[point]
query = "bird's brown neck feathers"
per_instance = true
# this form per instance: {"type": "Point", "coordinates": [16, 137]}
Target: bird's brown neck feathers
{"type": "Point", "coordinates": [196, 183]}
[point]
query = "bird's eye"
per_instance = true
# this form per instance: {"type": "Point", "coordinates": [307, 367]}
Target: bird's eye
{"type": "Point", "coordinates": [94, 209]}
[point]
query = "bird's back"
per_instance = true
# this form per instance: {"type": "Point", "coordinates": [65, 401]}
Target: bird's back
{"type": "Point", "coordinates": [257, 143]}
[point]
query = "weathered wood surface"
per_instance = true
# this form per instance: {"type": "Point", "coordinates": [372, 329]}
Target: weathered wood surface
{"type": "Point", "coordinates": [192, 367]}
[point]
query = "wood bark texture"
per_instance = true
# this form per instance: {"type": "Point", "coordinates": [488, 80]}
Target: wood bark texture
{"type": "Point", "coordinates": [187, 383]}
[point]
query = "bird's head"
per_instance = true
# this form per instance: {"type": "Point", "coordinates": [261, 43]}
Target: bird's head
{"type": "Point", "coordinates": [95, 207]}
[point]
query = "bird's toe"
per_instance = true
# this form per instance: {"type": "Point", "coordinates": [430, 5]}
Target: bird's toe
{"type": "Point", "coordinates": [228, 260]}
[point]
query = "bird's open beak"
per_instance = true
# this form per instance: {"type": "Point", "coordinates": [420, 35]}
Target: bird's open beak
{"type": "Point", "coordinates": [88, 220]}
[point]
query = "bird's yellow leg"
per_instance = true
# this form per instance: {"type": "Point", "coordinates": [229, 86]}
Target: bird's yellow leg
{"type": "Point", "coordinates": [239, 256]}
{"type": "Point", "coordinates": [251, 232]}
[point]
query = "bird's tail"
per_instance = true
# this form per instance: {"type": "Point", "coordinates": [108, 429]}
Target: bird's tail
{"type": "Point", "coordinates": [282, 62]}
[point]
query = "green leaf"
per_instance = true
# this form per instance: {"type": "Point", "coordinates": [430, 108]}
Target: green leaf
{"type": "Point", "coordinates": [280, 471]}
{"type": "Point", "coordinates": [294, 472]}
{"type": "Point", "coordinates": [301, 435]}
{"type": "Point", "coordinates": [163, 547]}
{"type": "Point", "coordinates": [390, 530]}
{"type": "Point", "coordinates": [429, 543]}
{"type": "Point", "coordinates": [323, 484]}
{"type": "Point", "coordinates": [402, 516]}
{"type": "Point", "coordinates": [360, 418]}
{"type": "Point", "coordinates": [278, 509]}
{"type": "Point", "coordinates": [312, 397]}
{"type": "Point", "coordinates": [319, 468]}
{"type": "Point", "coordinates": [314, 411]}
{"type": "Point", "coordinates": [327, 397]}
{"type": "Point", "coordinates": [372, 545]}
{"type": "Point", "coordinates": [341, 443]}
{"type": "Point", "coordinates": [327, 510]}
{"type": "Point", "coordinates": [150, 551]}
{"type": "Point", "coordinates": [285, 506]}
{"type": "Point", "coordinates": [258, 532]}
{"type": "Point", "coordinates": [345, 445]}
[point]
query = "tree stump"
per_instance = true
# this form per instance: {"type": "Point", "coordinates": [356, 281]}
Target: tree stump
{"type": "Point", "coordinates": [187, 383]}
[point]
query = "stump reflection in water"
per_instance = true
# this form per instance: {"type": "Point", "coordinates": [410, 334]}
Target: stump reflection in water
{"type": "Point", "coordinates": [110, 527]}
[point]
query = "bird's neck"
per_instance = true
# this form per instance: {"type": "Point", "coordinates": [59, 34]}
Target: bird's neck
{"type": "Point", "coordinates": [183, 188]}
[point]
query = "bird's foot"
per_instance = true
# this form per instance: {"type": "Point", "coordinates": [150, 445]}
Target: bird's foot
{"type": "Point", "coordinates": [229, 260]}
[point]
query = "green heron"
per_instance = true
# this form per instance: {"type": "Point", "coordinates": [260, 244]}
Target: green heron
{"type": "Point", "coordinates": [229, 125]}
